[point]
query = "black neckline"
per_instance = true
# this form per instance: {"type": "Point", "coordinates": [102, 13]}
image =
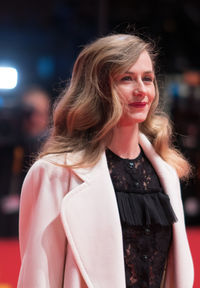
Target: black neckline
{"type": "Point", "coordinates": [125, 159]}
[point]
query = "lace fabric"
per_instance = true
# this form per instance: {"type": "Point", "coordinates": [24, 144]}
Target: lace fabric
{"type": "Point", "coordinates": [145, 253]}
{"type": "Point", "coordinates": [146, 217]}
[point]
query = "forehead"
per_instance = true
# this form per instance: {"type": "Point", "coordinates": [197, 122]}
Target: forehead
{"type": "Point", "coordinates": [143, 63]}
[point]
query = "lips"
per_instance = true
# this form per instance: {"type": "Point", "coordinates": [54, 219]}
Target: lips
{"type": "Point", "coordinates": [138, 104]}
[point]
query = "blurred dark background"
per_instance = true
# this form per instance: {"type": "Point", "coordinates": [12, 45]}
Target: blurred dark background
{"type": "Point", "coordinates": [41, 39]}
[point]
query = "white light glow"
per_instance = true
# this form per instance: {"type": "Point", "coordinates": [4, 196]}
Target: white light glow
{"type": "Point", "coordinates": [8, 77]}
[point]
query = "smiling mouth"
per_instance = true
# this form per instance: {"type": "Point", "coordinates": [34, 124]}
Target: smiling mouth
{"type": "Point", "coordinates": [138, 104]}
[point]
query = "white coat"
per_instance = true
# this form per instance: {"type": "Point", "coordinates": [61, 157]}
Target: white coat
{"type": "Point", "coordinates": [70, 232]}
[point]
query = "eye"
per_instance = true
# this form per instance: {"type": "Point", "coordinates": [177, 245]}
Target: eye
{"type": "Point", "coordinates": [148, 79]}
{"type": "Point", "coordinates": [126, 78]}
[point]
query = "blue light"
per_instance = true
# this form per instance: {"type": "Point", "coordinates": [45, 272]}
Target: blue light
{"type": "Point", "coordinates": [46, 66]}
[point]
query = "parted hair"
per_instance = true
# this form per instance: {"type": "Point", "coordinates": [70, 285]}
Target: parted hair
{"type": "Point", "coordinates": [89, 108]}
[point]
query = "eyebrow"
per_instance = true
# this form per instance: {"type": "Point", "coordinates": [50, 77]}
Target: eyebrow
{"type": "Point", "coordinates": [146, 72]}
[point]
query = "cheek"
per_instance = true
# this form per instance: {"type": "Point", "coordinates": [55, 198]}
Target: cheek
{"type": "Point", "coordinates": [152, 95]}
{"type": "Point", "coordinates": [123, 94]}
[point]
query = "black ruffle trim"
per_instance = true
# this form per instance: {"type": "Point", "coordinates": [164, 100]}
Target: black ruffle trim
{"type": "Point", "coordinates": [138, 209]}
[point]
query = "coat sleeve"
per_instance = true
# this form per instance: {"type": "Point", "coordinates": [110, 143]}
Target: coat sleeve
{"type": "Point", "coordinates": [41, 234]}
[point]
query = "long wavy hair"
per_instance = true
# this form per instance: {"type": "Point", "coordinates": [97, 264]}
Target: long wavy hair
{"type": "Point", "coordinates": [89, 108]}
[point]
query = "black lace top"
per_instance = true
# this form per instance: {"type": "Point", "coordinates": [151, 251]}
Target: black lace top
{"type": "Point", "coordinates": [146, 217]}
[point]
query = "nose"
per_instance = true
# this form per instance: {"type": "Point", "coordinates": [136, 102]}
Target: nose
{"type": "Point", "coordinates": [140, 89]}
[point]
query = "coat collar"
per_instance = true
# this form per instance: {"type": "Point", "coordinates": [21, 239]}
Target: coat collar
{"type": "Point", "coordinates": [162, 169]}
{"type": "Point", "coordinates": [89, 212]}
{"type": "Point", "coordinates": [166, 173]}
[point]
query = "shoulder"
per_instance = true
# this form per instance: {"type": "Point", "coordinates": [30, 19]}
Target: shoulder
{"type": "Point", "coordinates": [52, 160]}
{"type": "Point", "coordinates": [54, 166]}
{"type": "Point", "coordinates": [47, 176]}
{"type": "Point", "coordinates": [156, 160]}
{"type": "Point", "coordinates": [47, 167]}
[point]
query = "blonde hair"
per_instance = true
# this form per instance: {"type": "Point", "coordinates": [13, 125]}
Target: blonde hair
{"type": "Point", "coordinates": [90, 108]}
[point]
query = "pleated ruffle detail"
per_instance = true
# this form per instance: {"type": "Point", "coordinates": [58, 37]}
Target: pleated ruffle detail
{"type": "Point", "coordinates": [149, 208]}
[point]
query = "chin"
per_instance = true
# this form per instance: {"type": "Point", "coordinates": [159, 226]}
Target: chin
{"type": "Point", "coordinates": [130, 122]}
{"type": "Point", "coordinates": [138, 119]}
{"type": "Point", "coordinates": [130, 119]}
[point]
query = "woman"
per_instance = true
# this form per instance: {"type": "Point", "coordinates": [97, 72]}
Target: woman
{"type": "Point", "coordinates": [102, 206]}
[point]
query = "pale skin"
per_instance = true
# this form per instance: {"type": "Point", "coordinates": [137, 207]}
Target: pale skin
{"type": "Point", "coordinates": [137, 91]}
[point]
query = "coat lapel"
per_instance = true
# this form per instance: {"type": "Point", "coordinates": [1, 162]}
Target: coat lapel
{"type": "Point", "coordinates": [178, 261]}
{"type": "Point", "coordinates": [92, 225]}
{"type": "Point", "coordinates": [89, 212]}
{"type": "Point", "coordinates": [166, 174]}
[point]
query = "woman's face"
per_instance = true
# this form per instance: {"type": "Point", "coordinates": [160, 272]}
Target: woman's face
{"type": "Point", "coordinates": [136, 89]}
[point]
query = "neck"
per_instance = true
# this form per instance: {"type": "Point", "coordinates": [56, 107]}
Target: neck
{"type": "Point", "coordinates": [125, 141]}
